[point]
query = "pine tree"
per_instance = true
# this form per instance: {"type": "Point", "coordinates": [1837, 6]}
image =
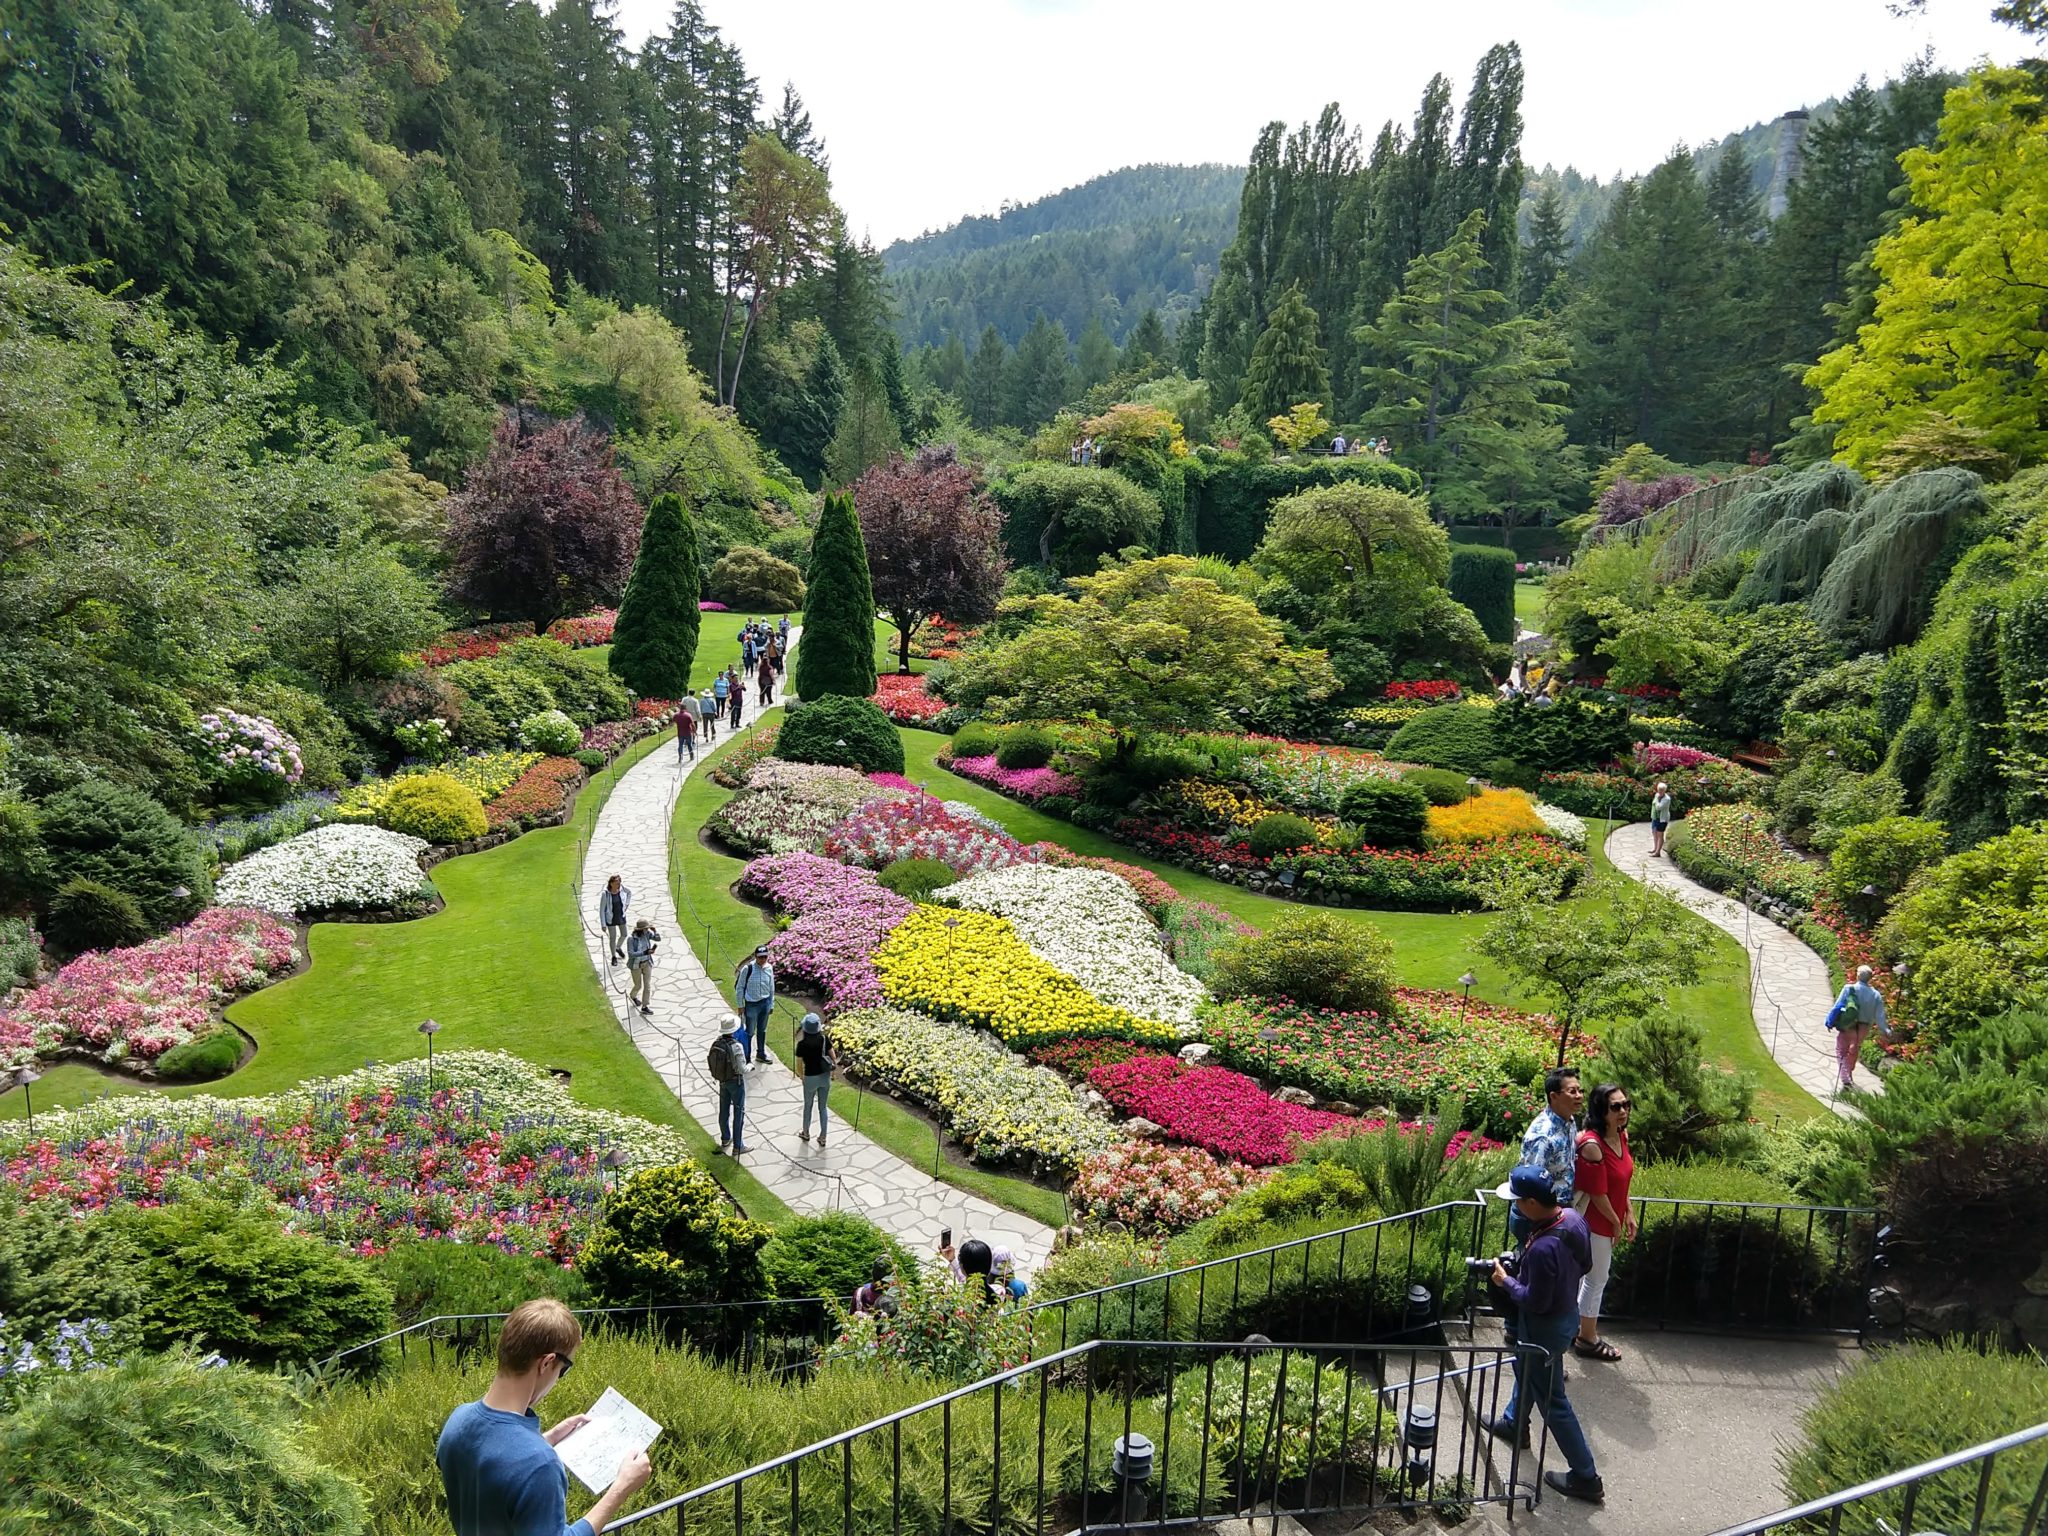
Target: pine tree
{"type": "Point", "coordinates": [1146, 349]}
{"type": "Point", "coordinates": [654, 642]}
{"type": "Point", "coordinates": [1544, 258]}
{"type": "Point", "coordinates": [838, 650]}
{"type": "Point", "coordinates": [1288, 365]}
{"type": "Point", "coordinates": [985, 375]}
{"type": "Point", "coordinates": [1094, 354]}
{"type": "Point", "coordinates": [867, 432]}
{"type": "Point", "coordinates": [1039, 379]}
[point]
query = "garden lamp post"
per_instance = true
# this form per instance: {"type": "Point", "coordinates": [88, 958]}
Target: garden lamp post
{"type": "Point", "coordinates": [950, 924]}
{"type": "Point", "coordinates": [1468, 981]}
{"type": "Point", "coordinates": [614, 1159]}
{"type": "Point", "coordinates": [1418, 1438]}
{"type": "Point", "coordinates": [1272, 1037]}
{"type": "Point", "coordinates": [430, 1028]}
{"type": "Point", "coordinates": [24, 1078]}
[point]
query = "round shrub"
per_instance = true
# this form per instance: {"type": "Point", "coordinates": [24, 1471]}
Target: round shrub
{"type": "Point", "coordinates": [1315, 958]}
{"type": "Point", "coordinates": [1296, 1191]}
{"type": "Point", "coordinates": [122, 838]}
{"type": "Point", "coordinates": [552, 732]}
{"type": "Point", "coordinates": [1439, 786]}
{"type": "Point", "coordinates": [1272, 835]}
{"type": "Point", "coordinates": [847, 732]}
{"type": "Point", "coordinates": [1026, 746]}
{"type": "Point", "coordinates": [830, 1256]}
{"type": "Point", "coordinates": [591, 761]}
{"type": "Point", "coordinates": [203, 1059]}
{"type": "Point", "coordinates": [435, 807]}
{"type": "Point", "coordinates": [747, 577]}
{"type": "Point", "coordinates": [1458, 737]}
{"type": "Point", "coordinates": [86, 914]}
{"type": "Point", "coordinates": [669, 1237]}
{"type": "Point", "coordinates": [975, 739]}
{"type": "Point", "coordinates": [1387, 813]}
{"type": "Point", "coordinates": [916, 879]}
{"type": "Point", "coordinates": [1884, 855]}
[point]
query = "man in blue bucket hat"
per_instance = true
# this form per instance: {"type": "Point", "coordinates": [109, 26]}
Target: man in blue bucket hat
{"type": "Point", "coordinates": [1544, 1290]}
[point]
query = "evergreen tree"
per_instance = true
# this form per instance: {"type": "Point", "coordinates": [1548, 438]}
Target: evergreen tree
{"type": "Point", "coordinates": [867, 432]}
{"type": "Point", "coordinates": [1546, 254]}
{"type": "Point", "coordinates": [654, 641]}
{"type": "Point", "coordinates": [838, 650]}
{"type": "Point", "coordinates": [1095, 356]}
{"type": "Point", "coordinates": [792, 125]}
{"type": "Point", "coordinates": [1039, 379]}
{"type": "Point", "coordinates": [985, 375]}
{"type": "Point", "coordinates": [1288, 365]}
{"type": "Point", "coordinates": [1146, 349]}
{"type": "Point", "coordinates": [1486, 171]}
{"type": "Point", "coordinates": [946, 366]}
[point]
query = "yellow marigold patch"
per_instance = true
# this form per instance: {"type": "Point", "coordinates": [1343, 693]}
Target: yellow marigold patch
{"type": "Point", "coordinates": [1490, 814]}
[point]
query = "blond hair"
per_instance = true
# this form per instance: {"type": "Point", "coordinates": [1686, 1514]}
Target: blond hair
{"type": "Point", "coordinates": [535, 1329]}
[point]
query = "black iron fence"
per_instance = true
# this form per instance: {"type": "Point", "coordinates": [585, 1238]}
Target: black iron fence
{"type": "Point", "coordinates": [1999, 1488]}
{"type": "Point", "coordinates": [1138, 1436]}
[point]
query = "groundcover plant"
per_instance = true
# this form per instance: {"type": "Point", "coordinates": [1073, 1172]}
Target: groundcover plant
{"type": "Point", "coordinates": [340, 867]}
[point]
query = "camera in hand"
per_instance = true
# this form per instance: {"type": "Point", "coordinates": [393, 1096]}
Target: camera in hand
{"type": "Point", "coordinates": [1482, 1269]}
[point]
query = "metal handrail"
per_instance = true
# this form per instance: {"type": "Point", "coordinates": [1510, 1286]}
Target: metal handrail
{"type": "Point", "coordinates": [1910, 1480]}
{"type": "Point", "coordinates": [399, 1335]}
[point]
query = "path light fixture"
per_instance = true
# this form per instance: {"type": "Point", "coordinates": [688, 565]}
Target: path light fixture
{"type": "Point", "coordinates": [614, 1159]}
{"type": "Point", "coordinates": [1468, 981]}
{"type": "Point", "coordinates": [1899, 970]}
{"type": "Point", "coordinates": [1418, 1438]}
{"type": "Point", "coordinates": [24, 1078]}
{"type": "Point", "coordinates": [1271, 1036]}
{"type": "Point", "coordinates": [430, 1028]}
{"type": "Point", "coordinates": [950, 924]}
{"type": "Point", "coordinates": [1131, 1462]}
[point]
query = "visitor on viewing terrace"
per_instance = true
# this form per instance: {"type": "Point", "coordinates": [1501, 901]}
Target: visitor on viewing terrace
{"type": "Point", "coordinates": [612, 902]}
{"type": "Point", "coordinates": [1544, 1291]}
{"type": "Point", "coordinates": [753, 992]}
{"type": "Point", "coordinates": [498, 1465]}
{"type": "Point", "coordinates": [815, 1053]}
{"type": "Point", "coordinates": [1857, 1011]}
{"type": "Point", "coordinates": [1337, 446]}
{"type": "Point", "coordinates": [1550, 1142]}
{"type": "Point", "coordinates": [1660, 818]}
{"type": "Point", "coordinates": [1600, 1191]}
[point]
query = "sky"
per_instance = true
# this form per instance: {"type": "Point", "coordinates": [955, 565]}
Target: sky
{"type": "Point", "coordinates": [935, 109]}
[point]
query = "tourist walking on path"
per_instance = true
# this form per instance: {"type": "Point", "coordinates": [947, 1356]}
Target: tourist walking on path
{"type": "Point", "coordinates": [753, 991]}
{"type": "Point", "coordinates": [1858, 1011]}
{"type": "Point", "coordinates": [727, 1064]}
{"type": "Point", "coordinates": [1545, 1291]}
{"type": "Point", "coordinates": [640, 966]}
{"type": "Point", "coordinates": [721, 685]}
{"type": "Point", "coordinates": [1660, 818]}
{"type": "Point", "coordinates": [815, 1052]}
{"type": "Point", "coordinates": [735, 694]}
{"type": "Point", "coordinates": [499, 1468]}
{"type": "Point", "coordinates": [686, 731]}
{"type": "Point", "coordinates": [782, 633]}
{"type": "Point", "coordinates": [707, 709]}
{"type": "Point", "coordinates": [775, 649]}
{"type": "Point", "coordinates": [611, 915]}
{"type": "Point", "coordinates": [765, 676]}
{"type": "Point", "coordinates": [1601, 1184]}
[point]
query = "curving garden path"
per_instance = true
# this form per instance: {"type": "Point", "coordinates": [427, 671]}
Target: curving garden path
{"type": "Point", "coordinates": [1789, 989]}
{"type": "Point", "coordinates": [851, 1173]}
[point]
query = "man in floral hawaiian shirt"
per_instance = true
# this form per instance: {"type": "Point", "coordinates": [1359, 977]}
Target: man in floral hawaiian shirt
{"type": "Point", "coordinates": [1550, 1141]}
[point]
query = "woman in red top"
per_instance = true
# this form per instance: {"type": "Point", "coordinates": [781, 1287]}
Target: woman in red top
{"type": "Point", "coordinates": [1609, 1216]}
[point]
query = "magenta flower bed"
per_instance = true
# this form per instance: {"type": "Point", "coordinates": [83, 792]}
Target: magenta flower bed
{"type": "Point", "coordinates": [1024, 783]}
{"type": "Point", "coordinates": [1213, 1108]}
{"type": "Point", "coordinates": [1663, 756]}
{"type": "Point", "coordinates": [144, 1000]}
{"type": "Point", "coordinates": [841, 917]}
{"type": "Point", "coordinates": [893, 781]}
{"type": "Point", "coordinates": [711, 608]}
{"type": "Point", "coordinates": [921, 827]}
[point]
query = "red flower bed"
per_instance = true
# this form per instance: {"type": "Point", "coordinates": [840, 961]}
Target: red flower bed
{"type": "Point", "coordinates": [540, 792]}
{"type": "Point", "coordinates": [904, 700]}
{"type": "Point", "coordinates": [1077, 1058]}
{"type": "Point", "coordinates": [473, 644]}
{"type": "Point", "coordinates": [1214, 1108]}
{"type": "Point", "coordinates": [590, 629]}
{"type": "Point", "coordinates": [1427, 691]}
{"type": "Point", "coordinates": [663, 710]}
{"type": "Point", "coordinates": [1180, 845]}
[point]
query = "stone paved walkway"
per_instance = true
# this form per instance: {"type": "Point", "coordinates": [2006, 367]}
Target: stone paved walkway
{"type": "Point", "coordinates": [1790, 993]}
{"type": "Point", "coordinates": [851, 1173]}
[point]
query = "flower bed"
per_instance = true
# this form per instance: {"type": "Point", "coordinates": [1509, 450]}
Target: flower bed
{"type": "Point", "coordinates": [1663, 756]}
{"type": "Point", "coordinates": [1622, 790]}
{"type": "Point", "coordinates": [1003, 1108]}
{"type": "Point", "coordinates": [590, 629]}
{"type": "Point", "coordinates": [1445, 877]}
{"type": "Point", "coordinates": [1087, 923]}
{"type": "Point", "coordinates": [1077, 1058]}
{"type": "Point", "coordinates": [142, 1001]}
{"type": "Point", "coordinates": [1428, 691]}
{"type": "Point", "coordinates": [904, 700]}
{"type": "Point", "coordinates": [1155, 1189]}
{"type": "Point", "coordinates": [473, 644]}
{"type": "Point", "coordinates": [841, 916]}
{"type": "Point", "coordinates": [1489, 816]}
{"type": "Point", "coordinates": [611, 737]}
{"type": "Point", "coordinates": [1153, 893]}
{"type": "Point", "coordinates": [1030, 785]}
{"type": "Point", "coordinates": [488, 773]}
{"type": "Point", "coordinates": [540, 795]}
{"type": "Point", "coordinates": [1214, 1108]}
{"type": "Point", "coordinates": [972, 968]}
{"type": "Point", "coordinates": [499, 1154]}
{"type": "Point", "coordinates": [788, 807]}
{"type": "Point", "coordinates": [241, 836]}
{"type": "Point", "coordinates": [711, 607]}
{"type": "Point", "coordinates": [922, 827]}
{"type": "Point", "coordinates": [342, 868]}
{"type": "Point", "coordinates": [733, 770]}
{"type": "Point", "coordinates": [1306, 778]}
{"type": "Point", "coordinates": [1220, 807]}
{"type": "Point", "coordinates": [1562, 824]}
{"type": "Point", "coordinates": [1730, 846]}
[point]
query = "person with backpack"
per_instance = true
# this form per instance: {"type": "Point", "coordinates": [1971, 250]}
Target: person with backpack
{"type": "Point", "coordinates": [612, 902]}
{"type": "Point", "coordinates": [815, 1052]}
{"type": "Point", "coordinates": [640, 966]}
{"type": "Point", "coordinates": [1858, 1011]}
{"type": "Point", "coordinates": [753, 991]}
{"type": "Point", "coordinates": [727, 1064]}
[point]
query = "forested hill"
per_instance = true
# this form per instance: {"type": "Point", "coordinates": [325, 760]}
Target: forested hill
{"type": "Point", "coordinates": [1145, 237]}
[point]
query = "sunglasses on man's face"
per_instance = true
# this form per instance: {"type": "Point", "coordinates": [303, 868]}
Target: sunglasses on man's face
{"type": "Point", "coordinates": [567, 1363]}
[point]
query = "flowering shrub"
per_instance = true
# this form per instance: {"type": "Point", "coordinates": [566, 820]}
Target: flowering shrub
{"type": "Point", "coordinates": [904, 699]}
{"type": "Point", "coordinates": [999, 1105]}
{"type": "Point", "coordinates": [337, 868]}
{"type": "Point", "coordinates": [937, 639]}
{"type": "Point", "coordinates": [710, 607]}
{"type": "Point", "coordinates": [941, 1330]}
{"type": "Point", "coordinates": [1663, 756]}
{"type": "Point", "coordinates": [498, 1154]}
{"type": "Point", "coordinates": [738, 765]}
{"type": "Point", "coordinates": [1562, 824]}
{"type": "Point", "coordinates": [1153, 1188]}
{"type": "Point", "coordinates": [790, 806]}
{"type": "Point", "coordinates": [1030, 785]}
{"type": "Point", "coordinates": [551, 731]}
{"type": "Point", "coordinates": [973, 969]}
{"type": "Point", "coordinates": [429, 740]}
{"type": "Point", "coordinates": [241, 836]}
{"type": "Point", "coordinates": [473, 644]}
{"type": "Point", "coordinates": [251, 756]}
{"type": "Point", "coordinates": [1486, 817]}
{"type": "Point", "coordinates": [590, 629]}
{"type": "Point", "coordinates": [611, 737]}
{"type": "Point", "coordinates": [1428, 690]}
{"type": "Point", "coordinates": [1214, 1108]}
{"type": "Point", "coordinates": [540, 795]}
{"type": "Point", "coordinates": [841, 915]}
{"type": "Point", "coordinates": [921, 827]}
{"type": "Point", "coordinates": [1729, 846]}
{"type": "Point", "coordinates": [146, 999]}
{"type": "Point", "coordinates": [1088, 923]}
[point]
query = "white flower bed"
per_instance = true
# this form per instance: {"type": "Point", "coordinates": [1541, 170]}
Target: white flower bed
{"type": "Point", "coordinates": [994, 1100]}
{"type": "Point", "coordinates": [360, 868]}
{"type": "Point", "coordinates": [981, 819]}
{"type": "Point", "coordinates": [1563, 825]}
{"type": "Point", "coordinates": [1088, 923]}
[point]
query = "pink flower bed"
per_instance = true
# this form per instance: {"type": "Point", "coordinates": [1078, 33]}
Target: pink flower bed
{"type": "Point", "coordinates": [1663, 756]}
{"type": "Point", "coordinates": [921, 827]}
{"type": "Point", "coordinates": [904, 699]}
{"type": "Point", "coordinates": [1029, 784]}
{"type": "Point", "coordinates": [1213, 1108]}
{"type": "Point", "coordinates": [711, 608]}
{"type": "Point", "coordinates": [144, 1000]}
{"type": "Point", "coordinates": [841, 917]}
{"type": "Point", "coordinates": [890, 780]}
{"type": "Point", "coordinates": [589, 629]}
{"type": "Point", "coordinates": [1154, 1188]}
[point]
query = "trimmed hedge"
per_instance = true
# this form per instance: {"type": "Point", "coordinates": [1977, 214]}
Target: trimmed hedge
{"type": "Point", "coordinates": [1483, 579]}
{"type": "Point", "coordinates": [1229, 495]}
{"type": "Point", "coordinates": [1458, 737]}
{"type": "Point", "coordinates": [843, 731]}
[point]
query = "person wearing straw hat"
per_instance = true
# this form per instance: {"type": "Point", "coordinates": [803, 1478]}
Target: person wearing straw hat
{"type": "Point", "coordinates": [815, 1053]}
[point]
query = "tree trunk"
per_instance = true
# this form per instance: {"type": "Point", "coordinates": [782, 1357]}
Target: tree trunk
{"type": "Point", "coordinates": [746, 333]}
{"type": "Point", "coordinates": [904, 624]}
{"type": "Point", "coordinates": [1045, 539]}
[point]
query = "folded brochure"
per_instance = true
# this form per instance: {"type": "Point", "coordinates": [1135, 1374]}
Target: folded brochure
{"type": "Point", "coordinates": [616, 1430]}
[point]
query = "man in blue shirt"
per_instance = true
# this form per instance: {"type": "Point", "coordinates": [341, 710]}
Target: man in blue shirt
{"type": "Point", "coordinates": [753, 993]}
{"type": "Point", "coordinates": [498, 1466]}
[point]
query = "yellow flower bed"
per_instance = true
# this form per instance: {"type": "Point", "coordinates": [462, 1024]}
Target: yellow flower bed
{"type": "Point", "coordinates": [980, 972]}
{"type": "Point", "coordinates": [1490, 814]}
{"type": "Point", "coordinates": [488, 773]}
{"type": "Point", "coordinates": [1226, 806]}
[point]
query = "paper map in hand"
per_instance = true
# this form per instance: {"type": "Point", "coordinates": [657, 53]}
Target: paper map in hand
{"type": "Point", "coordinates": [616, 1430]}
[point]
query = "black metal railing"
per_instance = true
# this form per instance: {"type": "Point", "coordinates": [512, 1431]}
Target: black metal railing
{"type": "Point", "coordinates": [1078, 1441]}
{"type": "Point", "coordinates": [1999, 1488]}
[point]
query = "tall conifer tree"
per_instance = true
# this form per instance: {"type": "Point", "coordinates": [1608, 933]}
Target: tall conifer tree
{"type": "Point", "coordinates": [1288, 365]}
{"type": "Point", "coordinates": [838, 650]}
{"type": "Point", "coordinates": [654, 642]}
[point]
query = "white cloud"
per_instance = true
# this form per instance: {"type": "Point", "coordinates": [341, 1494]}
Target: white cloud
{"type": "Point", "coordinates": [934, 110]}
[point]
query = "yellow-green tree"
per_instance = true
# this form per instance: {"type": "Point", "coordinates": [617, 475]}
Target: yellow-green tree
{"type": "Point", "coordinates": [1300, 426]}
{"type": "Point", "coordinates": [1957, 339]}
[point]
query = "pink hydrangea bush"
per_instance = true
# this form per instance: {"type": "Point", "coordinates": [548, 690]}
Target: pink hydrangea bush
{"type": "Point", "coordinates": [841, 916]}
{"type": "Point", "coordinates": [1213, 1108]}
{"type": "Point", "coordinates": [144, 1000]}
{"type": "Point", "coordinates": [921, 827]}
{"type": "Point", "coordinates": [1027, 784]}
{"type": "Point", "coordinates": [1154, 1188]}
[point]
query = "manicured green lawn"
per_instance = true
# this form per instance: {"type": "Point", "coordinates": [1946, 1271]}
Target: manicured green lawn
{"type": "Point", "coordinates": [1529, 604]}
